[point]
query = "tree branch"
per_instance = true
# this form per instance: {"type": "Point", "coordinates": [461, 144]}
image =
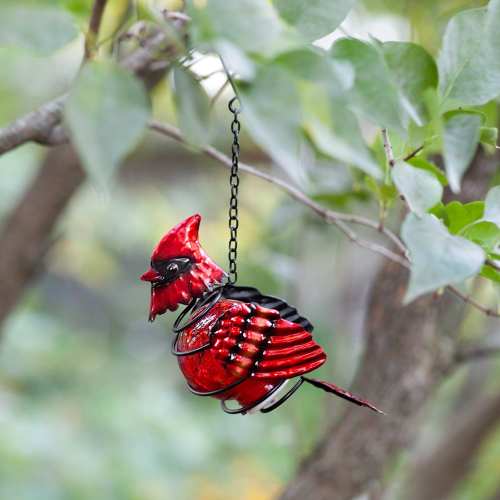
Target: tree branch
{"type": "Point", "coordinates": [25, 238]}
{"type": "Point", "coordinates": [26, 233]}
{"type": "Point", "coordinates": [466, 298]}
{"type": "Point", "coordinates": [339, 219]}
{"type": "Point", "coordinates": [94, 27]}
{"type": "Point", "coordinates": [148, 62]}
{"type": "Point", "coordinates": [474, 303]}
{"type": "Point", "coordinates": [35, 126]}
{"type": "Point", "coordinates": [476, 353]}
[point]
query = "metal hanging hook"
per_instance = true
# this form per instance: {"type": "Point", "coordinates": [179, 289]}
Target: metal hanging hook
{"type": "Point", "coordinates": [234, 182]}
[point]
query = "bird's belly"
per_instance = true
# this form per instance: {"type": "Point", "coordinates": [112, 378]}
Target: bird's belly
{"type": "Point", "coordinates": [205, 371]}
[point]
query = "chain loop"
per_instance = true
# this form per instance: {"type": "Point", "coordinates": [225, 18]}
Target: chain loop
{"type": "Point", "coordinates": [234, 183]}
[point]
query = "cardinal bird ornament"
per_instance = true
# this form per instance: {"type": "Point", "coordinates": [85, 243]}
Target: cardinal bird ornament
{"type": "Point", "coordinates": [232, 342]}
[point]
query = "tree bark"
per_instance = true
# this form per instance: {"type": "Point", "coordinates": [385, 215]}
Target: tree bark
{"type": "Point", "coordinates": [408, 352]}
{"type": "Point", "coordinates": [402, 363]}
{"type": "Point", "coordinates": [437, 475]}
{"type": "Point", "coordinates": [27, 232]}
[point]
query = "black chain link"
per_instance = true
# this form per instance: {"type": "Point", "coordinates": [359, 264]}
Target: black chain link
{"type": "Point", "coordinates": [234, 183]}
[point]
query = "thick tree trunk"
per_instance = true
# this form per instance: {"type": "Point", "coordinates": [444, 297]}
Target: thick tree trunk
{"type": "Point", "coordinates": [408, 352]}
{"type": "Point", "coordinates": [401, 366]}
{"type": "Point", "coordinates": [26, 234]}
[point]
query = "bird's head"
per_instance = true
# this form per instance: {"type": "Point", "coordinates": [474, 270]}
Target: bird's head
{"type": "Point", "coordinates": [180, 269]}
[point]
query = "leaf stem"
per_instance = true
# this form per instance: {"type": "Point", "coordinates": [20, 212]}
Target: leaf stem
{"type": "Point", "coordinates": [94, 27]}
{"type": "Point", "coordinates": [389, 152]}
{"type": "Point", "coordinates": [413, 153]}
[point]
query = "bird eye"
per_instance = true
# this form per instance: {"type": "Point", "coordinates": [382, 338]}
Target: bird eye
{"type": "Point", "coordinates": [172, 268]}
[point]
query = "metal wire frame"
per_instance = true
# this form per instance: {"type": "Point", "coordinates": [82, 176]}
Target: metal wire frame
{"type": "Point", "coordinates": [199, 309]}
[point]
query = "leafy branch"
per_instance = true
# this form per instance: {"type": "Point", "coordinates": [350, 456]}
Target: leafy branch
{"type": "Point", "coordinates": [463, 296]}
{"type": "Point", "coordinates": [41, 123]}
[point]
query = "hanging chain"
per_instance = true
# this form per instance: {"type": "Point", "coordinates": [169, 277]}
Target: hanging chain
{"type": "Point", "coordinates": [234, 182]}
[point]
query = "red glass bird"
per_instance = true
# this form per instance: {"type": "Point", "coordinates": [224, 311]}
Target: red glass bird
{"type": "Point", "coordinates": [236, 344]}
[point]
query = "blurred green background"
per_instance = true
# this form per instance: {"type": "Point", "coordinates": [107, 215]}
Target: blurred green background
{"type": "Point", "coordinates": [92, 404]}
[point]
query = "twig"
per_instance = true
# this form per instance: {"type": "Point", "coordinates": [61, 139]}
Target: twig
{"type": "Point", "coordinates": [389, 152]}
{"type": "Point", "coordinates": [473, 353]}
{"type": "Point", "coordinates": [474, 303]}
{"type": "Point", "coordinates": [413, 153]}
{"type": "Point", "coordinates": [175, 15]}
{"type": "Point", "coordinates": [41, 125]}
{"type": "Point", "coordinates": [94, 27]}
{"type": "Point", "coordinates": [369, 245]}
{"type": "Point", "coordinates": [337, 218]}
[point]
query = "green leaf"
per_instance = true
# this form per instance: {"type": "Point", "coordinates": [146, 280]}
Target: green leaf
{"type": "Point", "coordinates": [374, 95]}
{"type": "Point", "coordinates": [235, 59]}
{"type": "Point", "coordinates": [315, 65]}
{"type": "Point", "coordinates": [252, 25]}
{"type": "Point", "coordinates": [273, 116]}
{"type": "Point", "coordinates": [493, 34]}
{"type": "Point", "coordinates": [492, 206]}
{"type": "Point", "coordinates": [468, 63]}
{"type": "Point", "coordinates": [385, 193]}
{"type": "Point", "coordinates": [414, 71]}
{"type": "Point", "coordinates": [489, 136]}
{"type": "Point", "coordinates": [335, 131]}
{"type": "Point", "coordinates": [41, 29]}
{"type": "Point", "coordinates": [458, 216]}
{"type": "Point", "coordinates": [490, 273]}
{"type": "Point", "coordinates": [420, 188]}
{"type": "Point", "coordinates": [430, 167]}
{"type": "Point", "coordinates": [192, 108]}
{"type": "Point", "coordinates": [439, 211]}
{"type": "Point", "coordinates": [107, 111]}
{"type": "Point", "coordinates": [485, 234]}
{"type": "Point", "coordinates": [461, 137]}
{"type": "Point", "coordinates": [438, 258]}
{"type": "Point", "coordinates": [314, 18]}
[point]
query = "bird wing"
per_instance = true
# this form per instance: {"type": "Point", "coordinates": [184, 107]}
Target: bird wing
{"type": "Point", "coordinates": [257, 341]}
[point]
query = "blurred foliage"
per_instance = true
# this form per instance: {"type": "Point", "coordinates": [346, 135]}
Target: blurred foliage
{"type": "Point", "coordinates": [92, 403]}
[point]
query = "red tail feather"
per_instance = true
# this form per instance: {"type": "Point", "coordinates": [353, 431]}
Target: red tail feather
{"type": "Point", "coordinates": [341, 393]}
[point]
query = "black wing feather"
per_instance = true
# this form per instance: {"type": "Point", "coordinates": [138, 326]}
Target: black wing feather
{"type": "Point", "coordinates": [249, 294]}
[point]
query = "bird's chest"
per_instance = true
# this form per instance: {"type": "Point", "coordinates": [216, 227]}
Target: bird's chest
{"type": "Point", "coordinates": [224, 366]}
